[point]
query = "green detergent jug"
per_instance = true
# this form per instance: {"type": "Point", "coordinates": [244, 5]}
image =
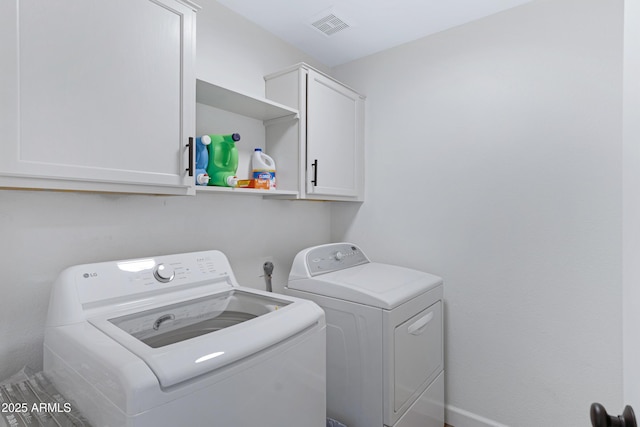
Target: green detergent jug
{"type": "Point", "coordinates": [223, 160]}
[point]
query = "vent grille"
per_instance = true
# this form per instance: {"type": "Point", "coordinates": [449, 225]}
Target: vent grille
{"type": "Point", "coordinates": [330, 24]}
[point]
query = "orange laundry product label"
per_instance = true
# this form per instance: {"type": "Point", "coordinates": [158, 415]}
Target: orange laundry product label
{"type": "Point", "coordinates": [259, 183]}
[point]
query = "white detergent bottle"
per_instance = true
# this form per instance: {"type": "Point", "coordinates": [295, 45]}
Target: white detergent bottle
{"type": "Point", "coordinates": [263, 168]}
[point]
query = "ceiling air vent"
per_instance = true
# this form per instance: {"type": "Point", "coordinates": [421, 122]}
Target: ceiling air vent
{"type": "Point", "coordinates": [329, 24]}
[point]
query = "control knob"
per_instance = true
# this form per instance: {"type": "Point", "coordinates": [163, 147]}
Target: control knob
{"type": "Point", "coordinates": [339, 256]}
{"type": "Point", "coordinates": [164, 273]}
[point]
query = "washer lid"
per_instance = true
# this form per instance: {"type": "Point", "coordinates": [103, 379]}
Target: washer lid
{"type": "Point", "coordinates": [375, 284]}
{"type": "Point", "coordinates": [184, 340]}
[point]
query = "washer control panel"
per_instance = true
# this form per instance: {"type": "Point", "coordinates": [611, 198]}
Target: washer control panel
{"type": "Point", "coordinates": [337, 256]}
{"type": "Point", "coordinates": [129, 278]}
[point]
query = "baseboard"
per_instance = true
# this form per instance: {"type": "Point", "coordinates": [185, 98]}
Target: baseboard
{"type": "Point", "coordinates": [457, 417]}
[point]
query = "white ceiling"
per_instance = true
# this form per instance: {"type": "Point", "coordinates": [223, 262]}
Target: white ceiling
{"type": "Point", "coordinates": [374, 25]}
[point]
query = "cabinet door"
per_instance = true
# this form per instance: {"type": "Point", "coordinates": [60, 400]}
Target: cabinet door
{"type": "Point", "coordinates": [97, 94]}
{"type": "Point", "coordinates": [334, 139]}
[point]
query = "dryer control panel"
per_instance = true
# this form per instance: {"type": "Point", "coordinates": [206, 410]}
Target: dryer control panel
{"type": "Point", "coordinates": [332, 257]}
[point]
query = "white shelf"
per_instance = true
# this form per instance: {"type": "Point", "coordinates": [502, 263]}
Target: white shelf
{"type": "Point", "coordinates": [245, 191]}
{"type": "Point", "coordinates": [240, 103]}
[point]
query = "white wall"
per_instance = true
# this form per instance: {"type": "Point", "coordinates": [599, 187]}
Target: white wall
{"type": "Point", "coordinates": [236, 53]}
{"type": "Point", "coordinates": [494, 160]}
{"type": "Point", "coordinates": [631, 206]}
{"type": "Point", "coordinates": [44, 232]}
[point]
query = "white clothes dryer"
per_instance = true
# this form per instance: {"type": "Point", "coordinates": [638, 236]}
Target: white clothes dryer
{"type": "Point", "coordinates": [384, 336]}
{"type": "Point", "coordinates": [174, 341]}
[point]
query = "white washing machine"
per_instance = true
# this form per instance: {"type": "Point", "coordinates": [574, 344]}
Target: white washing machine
{"type": "Point", "coordinates": [384, 336]}
{"type": "Point", "coordinates": [174, 341]}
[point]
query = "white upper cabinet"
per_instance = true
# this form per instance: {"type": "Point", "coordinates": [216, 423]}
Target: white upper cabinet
{"type": "Point", "coordinates": [97, 95]}
{"type": "Point", "coordinates": [334, 146]}
{"type": "Point", "coordinates": [325, 147]}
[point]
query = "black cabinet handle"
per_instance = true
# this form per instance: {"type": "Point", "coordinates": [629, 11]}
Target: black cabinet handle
{"type": "Point", "coordinates": [314, 165]}
{"type": "Point", "coordinates": [190, 146]}
{"type": "Point", "coordinates": [600, 418]}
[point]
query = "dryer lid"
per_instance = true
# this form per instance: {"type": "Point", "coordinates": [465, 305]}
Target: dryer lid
{"type": "Point", "coordinates": [375, 284]}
